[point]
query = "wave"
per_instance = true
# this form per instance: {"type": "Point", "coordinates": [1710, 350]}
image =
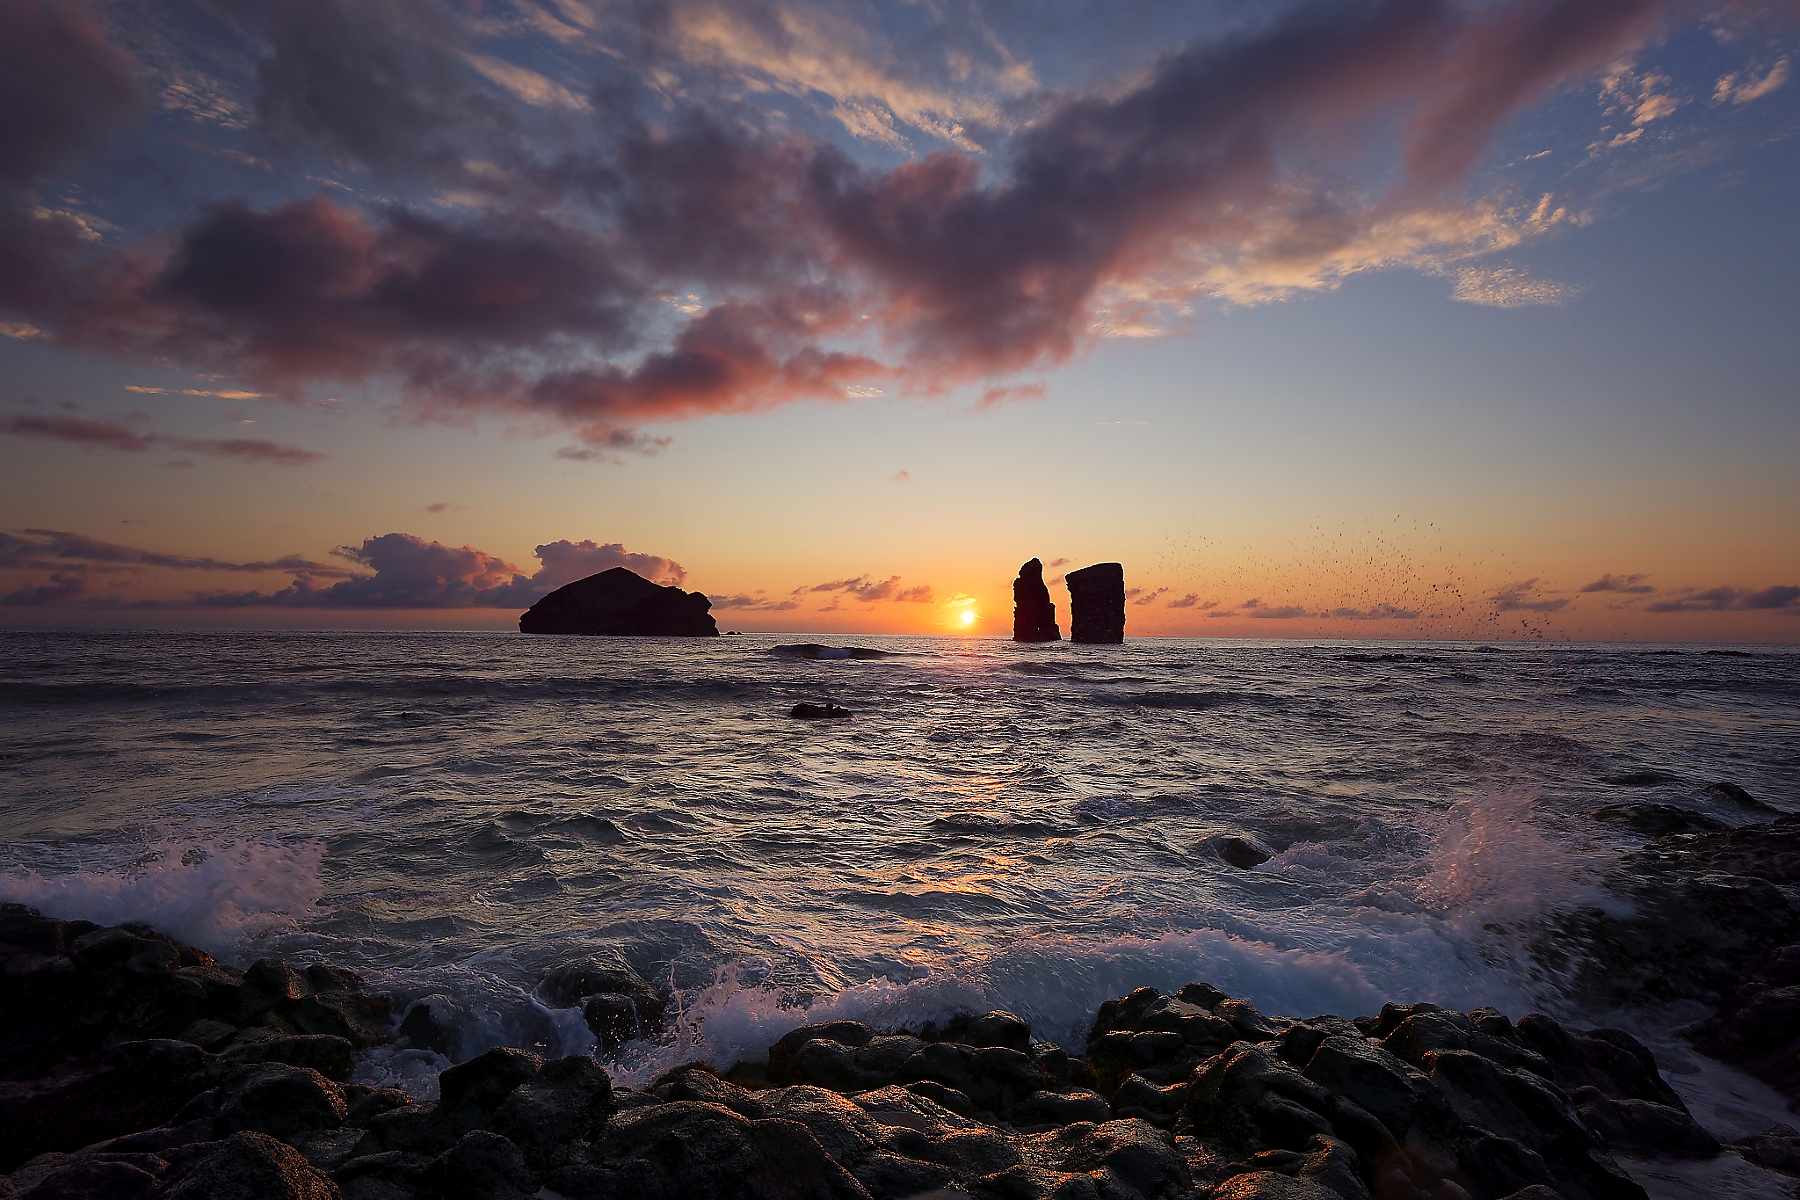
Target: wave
{"type": "Point", "coordinates": [217, 895]}
{"type": "Point", "coordinates": [1201, 701]}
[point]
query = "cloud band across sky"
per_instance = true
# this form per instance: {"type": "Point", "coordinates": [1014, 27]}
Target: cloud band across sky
{"type": "Point", "coordinates": [545, 290]}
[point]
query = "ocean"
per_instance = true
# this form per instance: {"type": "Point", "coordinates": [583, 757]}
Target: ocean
{"type": "Point", "coordinates": [1031, 827]}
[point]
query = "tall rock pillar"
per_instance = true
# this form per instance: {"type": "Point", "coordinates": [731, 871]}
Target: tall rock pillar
{"type": "Point", "coordinates": [1034, 617]}
{"type": "Point", "coordinates": [1097, 603]}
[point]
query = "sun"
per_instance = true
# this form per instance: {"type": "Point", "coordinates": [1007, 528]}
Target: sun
{"type": "Point", "coordinates": [968, 617]}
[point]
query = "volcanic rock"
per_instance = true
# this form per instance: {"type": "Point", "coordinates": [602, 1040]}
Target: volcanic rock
{"type": "Point", "coordinates": [1034, 617]}
{"type": "Point", "coordinates": [1178, 1097]}
{"type": "Point", "coordinates": [621, 603]}
{"type": "Point", "coordinates": [820, 712]}
{"type": "Point", "coordinates": [1097, 604]}
{"type": "Point", "coordinates": [815, 651]}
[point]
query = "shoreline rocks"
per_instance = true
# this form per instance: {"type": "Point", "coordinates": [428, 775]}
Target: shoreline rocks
{"type": "Point", "coordinates": [1716, 922]}
{"type": "Point", "coordinates": [1097, 604]}
{"type": "Point", "coordinates": [133, 1066]}
{"type": "Point", "coordinates": [621, 603]}
{"type": "Point", "coordinates": [1034, 616]}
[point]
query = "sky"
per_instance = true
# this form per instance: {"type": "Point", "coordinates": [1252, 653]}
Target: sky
{"type": "Point", "coordinates": [1351, 319]}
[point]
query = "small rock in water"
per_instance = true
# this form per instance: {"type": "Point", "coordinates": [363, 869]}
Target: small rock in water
{"type": "Point", "coordinates": [1655, 820]}
{"type": "Point", "coordinates": [820, 712]}
{"type": "Point", "coordinates": [815, 651]}
{"type": "Point", "coordinates": [1234, 850]}
{"type": "Point", "coordinates": [1649, 778]}
{"type": "Point", "coordinates": [1737, 795]}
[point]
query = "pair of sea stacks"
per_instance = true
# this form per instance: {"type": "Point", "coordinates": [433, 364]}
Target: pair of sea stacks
{"type": "Point", "coordinates": [1096, 605]}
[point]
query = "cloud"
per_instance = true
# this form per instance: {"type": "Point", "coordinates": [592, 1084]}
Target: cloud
{"type": "Point", "coordinates": [1632, 585]}
{"type": "Point", "coordinates": [116, 436]}
{"type": "Point", "coordinates": [1375, 612]}
{"type": "Point", "coordinates": [901, 476]}
{"type": "Point", "coordinates": [756, 603]}
{"type": "Point", "coordinates": [52, 549]}
{"type": "Point", "coordinates": [1508, 287]}
{"type": "Point", "coordinates": [63, 86]}
{"type": "Point", "coordinates": [995, 396]}
{"type": "Point", "coordinates": [1057, 562]}
{"type": "Point", "coordinates": [1523, 597]}
{"type": "Point", "coordinates": [227, 395]}
{"type": "Point", "coordinates": [566, 561]}
{"type": "Point", "coordinates": [1150, 597]}
{"type": "Point", "coordinates": [520, 272]}
{"type": "Point", "coordinates": [606, 446]}
{"type": "Point", "coordinates": [64, 587]}
{"type": "Point", "coordinates": [1191, 600]}
{"type": "Point", "coordinates": [439, 507]}
{"type": "Point", "coordinates": [407, 572]}
{"type": "Point", "coordinates": [870, 590]}
{"type": "Point", "coordinates": [1743, 87]}
{"type": "Point", "coordinates": [1256, 610]}
{"type": "Point", "coordinates": [1781, 598]}
{"type": "Point", "coordinates": [410, 572]}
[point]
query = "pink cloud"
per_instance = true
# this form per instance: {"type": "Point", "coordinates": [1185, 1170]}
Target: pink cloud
{"type": "Point", "coordinates": [393, 570]}
{"type": "Point", "coordinates": [115, 436]}
{"type": "Point", "coordinates": [821, 274]}
{"type": "Point", "coordinates": [1780, 598]}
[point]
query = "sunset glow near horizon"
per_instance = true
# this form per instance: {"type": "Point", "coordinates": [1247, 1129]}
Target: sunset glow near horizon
{"type": "Point", "coordinates": [1402, 319]}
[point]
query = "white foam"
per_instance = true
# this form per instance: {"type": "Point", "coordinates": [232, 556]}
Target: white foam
{"type": "Point", "coordinates": [217, 895]}
{"type": "Point", "coordinates": [1497, 859]}
{"type": "Point", "coordinates": [1054, 983]}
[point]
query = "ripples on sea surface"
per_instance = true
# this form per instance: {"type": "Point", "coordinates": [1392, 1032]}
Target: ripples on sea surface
{"type": "Point", "coordinates": [1001, 825]}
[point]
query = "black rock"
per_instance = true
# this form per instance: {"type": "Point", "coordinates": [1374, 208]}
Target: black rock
{"type": "Point", "coordinates": [1655, 820]}
{"type": "Point", "coordinates": [1097, 604]}
{"type": "Point", "coordinates": [1234, 850]}
{"type": "Point", "coordinates": [278, 1100]}
{"type": "Point", "coordinates": [1737, 795]}
{"type": "Point", "coordinates": [820, 712]}
{"type": "Point", "coordinates": [621, 603]}
{"type": "Point", "coordinates": [1777, 1148]}
{"type": "Point", "coordinates": [813, 650]}
{"type": "Point", "coordinates": [1034, 617]}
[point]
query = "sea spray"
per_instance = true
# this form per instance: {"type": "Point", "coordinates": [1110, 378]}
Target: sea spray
{"type": "Point", "coordinates": [220, 895]}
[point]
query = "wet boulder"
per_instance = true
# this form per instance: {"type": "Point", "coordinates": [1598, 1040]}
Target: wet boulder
{"type": "Point", "coordinates": [481, 1166]}
{"type": "Point", "coordinates": [331, 1056]}
{"type": "Point", "coordinates": [1640, 1127]}
{"type": "Point", "coordinates": [1777, 1148]}
{"type": "Point", "coordinates": [249, 1166]}
{"type": "Point", "coordinates": [129, 1087]}
{"type": "Point", "coordinates": [566, 1102]}
{"type": "Point", "coordinates": [1655, 820]}
{"type": "Point", "coordinates": [1113, 1158]}
{"type": "Point", "coordinates": [278, 1100]}
{"type": "Point", "coordinates": [687, 1150]}
{"type": "Point", "coordinates": [1235, 850]}
{"type": "Point", "coordinates": [784, 1065]}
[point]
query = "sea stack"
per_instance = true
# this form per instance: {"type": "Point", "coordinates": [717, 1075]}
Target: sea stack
{"type": "Point", "coordinates": [1034, 617]}
{"type": "Point", "coordinates": [1097, 603]}
{"type": "Point", "coordinates": [621, 603]}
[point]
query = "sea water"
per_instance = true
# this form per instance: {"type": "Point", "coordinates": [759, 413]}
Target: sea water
{"type": "Point", "coordinates": [1030, 827]}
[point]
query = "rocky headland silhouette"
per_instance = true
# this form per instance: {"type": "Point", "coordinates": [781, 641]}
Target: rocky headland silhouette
{"type": "Point", "coordinates": [621, 603]}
